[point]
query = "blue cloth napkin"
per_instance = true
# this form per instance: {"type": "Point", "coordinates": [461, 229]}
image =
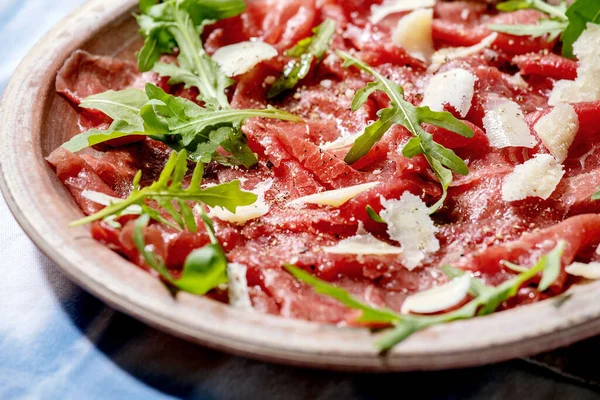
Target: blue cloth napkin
{"type": "Point", "coordinates": [58, 342]}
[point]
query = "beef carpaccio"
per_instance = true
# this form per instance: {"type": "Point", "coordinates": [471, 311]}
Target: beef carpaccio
{"type": "Point", "coordinates": [531, 152]}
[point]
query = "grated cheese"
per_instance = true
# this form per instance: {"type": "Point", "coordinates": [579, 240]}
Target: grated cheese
{"type": "Point", "coordinates": [443, 56]}
{"type": "Point", "coordinates": [439, 298]}
{"type": "Point", "coordinates": [537, 177]}
{"type": "Point", "coordinates": [505, 125]}
{"type": "Point", "coordinates": [237, 286]}
{"type": "Point", "coordinates": [389, 7]}
{"type": "Point", "coordinates": [587, 271]}
{"type": "Point", "coordinates": [362, 244]}
{"type": "Point", "coordinates": [587, 85]}
{"type": "Point", "coordinates": [239, 58]}
{"type": "Point", "coordinates": [334, 198]}
{"type": "Point", "coordinates": [409, 223]}
{"type": "Point", "coordinates": [454, 87]}
{"type": "Point", "coordinates": [413, 33]}
{"type": "Point", "coordinates": [557, 130]}
{"type": "Point", "coordinates": [245, 213]}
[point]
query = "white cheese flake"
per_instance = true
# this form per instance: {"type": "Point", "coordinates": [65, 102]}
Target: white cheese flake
{"type": "Point", "coordinates": [380, 11]}
{"type": "Point", "coordinates": [237, 286]}
{"type": "Point", "coordinates": [107, 200]}
{"type": "Point", "coordinates": [588, 271]}
{"type": "Point", "coordinates": [362, 244]}
{"type": "Point", "coordinates": [409, 223]}
{"type": "Point", "coordinates": [558, 129]}
{"type": "Point", "coordinates": [439, 298]}
{"type": "Point", "coordinates": [334, 198]}
{"type": "Point", "coordinates": [239, 58]}
{"type": "Point", "coordinates": [244, 214]}
{"type": "Point", "coordinates": [443, 56]}
{"type": "Point", "coordinates": [343, 142]}
{"type": "Point", "coordinates": [537, 177]}
{"type": "Point", "coordinates": [587, 85]}
{"type": "Point", "coordinates": [413, 33]}
{"type": "Point", "coordinates": [505, 125]}
{"type": "Point", "coordinates": [455, 87]}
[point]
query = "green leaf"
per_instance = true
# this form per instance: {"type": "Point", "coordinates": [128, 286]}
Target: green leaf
{"type": "Point", "coordinates": [178, 23]}
{"type": "Point", "coordinates": [579, 13]}
{"type": "Point", "coordinates": [168, 188]}
{"type": "Point", "coordinates": [570, 22]}
{"type": "Point", "coordinates": [444, 120]}
{"type": "Point", "coordinates": [146, 4]}
{"type": "Point", "coordinates": [552, 266]}
{"type": "Point", "coordinates": [540, 5]}
{"type": "Point", "coordinates": [307, 50]}
{"type": "Point", "coordinates": [373, 215]}
{"type": "Point", "coordinates": [200, 130]}
{"type": "Point", "coordinates": [549, 27]}
{"type": "Point", "coordinates": [149, 257]}
{"type": "Point", "coordinates": [201, 10]}
{"type": "Point", "coordinates": [204, 269]}
{"type": "Point", "coordinates": [403, 113]}
{"type": "Point", "coordinates": [370, 314]}
{"type": "Point", "coordinates": [596, 196]}
{"type": "Point", "coordinates": [486, 299]}
{"type": "Point", "coordinates": [176, 121]}
{"type": "Point", "coordinates": [123, 107]}
{"type": "Point", "coordinates": [237, 144]}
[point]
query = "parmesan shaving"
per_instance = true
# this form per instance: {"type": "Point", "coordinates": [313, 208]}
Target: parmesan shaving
{"type": "Point", "coordinates": [341, 143]}
{"type": "Point", "coordinates": [409, 223]}
{"type": "Point", "coordinates": [239, 58]}
{"type": "Point", "coordinates": [413, 33]}
{"type": "Point", "coordinates": [537, 177]}
{"type": "Point", "coordinates": [587, 271]}
{"type": "Point", "coordinates": [505, 125]}
{"type": "Point", "coordinates": [237, 286]}
{"type": "Point", "coordinates": [107, 200]}
{"type": "Point", "coordinates": [587, 85]}
{"type": "Point", "coordinates": [557, 130]}
{"type": "Point", "coordinates": [439, 298]}
{"type": "Point", "coordinates": [455, 87]}
{"type": "Point", "coordinates": [245, 213]}
{"type": "Point", "coordinates": [443, 56]}
{"type": "Point", "coordinates": [362, 244]}
{"type": "Point", "coordinates": [334, 198]}
{"type": "Point", "coordinates": [389, 7]}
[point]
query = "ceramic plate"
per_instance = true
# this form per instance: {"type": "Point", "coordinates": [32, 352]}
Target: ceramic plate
{"type": "Point", "coordinates": [35, 120]}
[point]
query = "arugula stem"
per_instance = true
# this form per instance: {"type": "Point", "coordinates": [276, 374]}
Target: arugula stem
{"type": "Point", "coordinates": [183, 23]}
{"type": "Point", "coordinates": [550, 10]}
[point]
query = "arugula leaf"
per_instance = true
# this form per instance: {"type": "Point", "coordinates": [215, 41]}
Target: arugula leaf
{"type": "Point", "coordinates": [596, 196]}
{"type": "Point", "coordinates": [199, 130]}
{"type": "Point", "coordinates": [178, 122]}
{"type": "Point", "coordinates": [179, 23]}
{"type": "Point", "coordinates": [373, 215]}
{"type": "Point", "coordinates": [569, 22]}
{"type": "Point", "coordinates": [204, 269]}
{"type": "Point", "coordinates": [309, 49]}
{"type": "Point", "coordinates": [169, 188]}
{"type": "Point", "coordinates": [401, 112]}
{"type": "Point", "coordinates": [557, 11]}
{"type": "Point", "coordinates": [486, 299]}
{"type": "Point", "coordinates": [549, 27]}
{"type": "Point", "coordinates": [370, 314]}
{"type": "Point", "coordinates": [123, 107]}
{"type": "Point", "coordinates": [579, 13]}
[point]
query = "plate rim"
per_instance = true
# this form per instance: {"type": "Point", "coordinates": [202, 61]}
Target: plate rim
{"type": "Point", "coordinates": [255, 335]}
